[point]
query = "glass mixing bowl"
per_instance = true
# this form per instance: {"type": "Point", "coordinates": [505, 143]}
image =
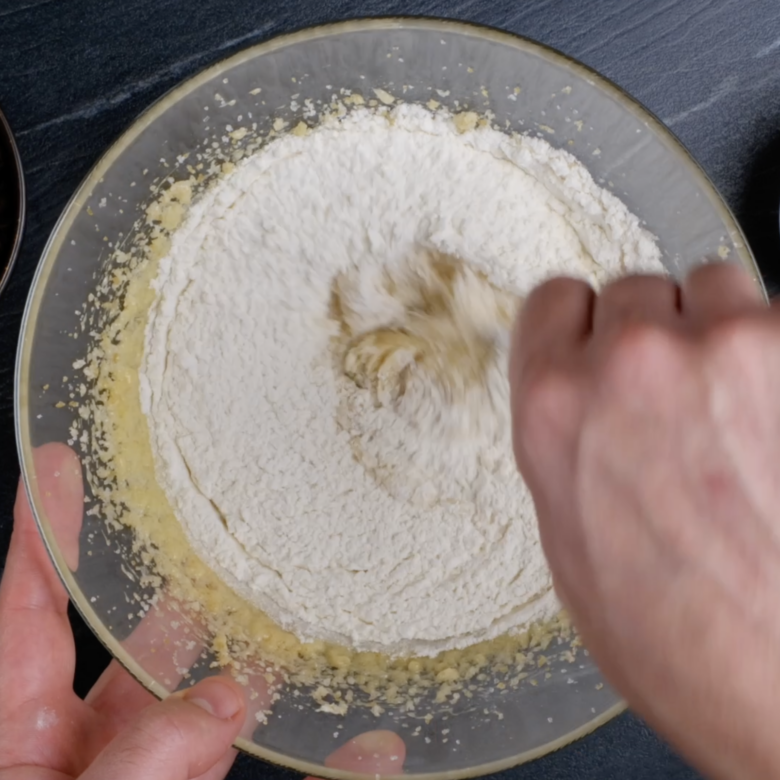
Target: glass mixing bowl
{"type": "Point", "coordinates": [528, 88]}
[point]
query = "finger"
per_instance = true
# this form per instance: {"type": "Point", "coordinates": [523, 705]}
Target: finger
{"type": "Point", "coordinates": [166, 643]}
{"type": "Point", "coordinates": [549, 335]}
{"type": "Point", "coordinates": [182, 738]}
{"type": "Point", "coordinates": [118, 697]}
{"type": "Point", "coordinates": [636, 299]}
{"type": "Point", "coordinates": [551, 329]}
{"type": "Point", "coordinates": [263, 688]}
{"type": "Point", "coordinates": [376, 753]}
{"type": "Point", "coordinates": [714, 292]}
{"type": "Point", "coordinates": [36, 643]}
{"type": "Point", "coordinates": [61, 489]}
{"type": "Point", "coordinates": [555, 319]}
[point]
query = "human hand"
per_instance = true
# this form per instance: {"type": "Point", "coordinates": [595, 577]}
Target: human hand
{"type": "Point", "coordinates": [646, 424]}
{"type": "Point", "coordinates": [120, 731]}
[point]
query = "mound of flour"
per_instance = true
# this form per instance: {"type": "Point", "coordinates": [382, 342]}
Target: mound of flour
{"type": "Point", "coordinates": [343, 514]}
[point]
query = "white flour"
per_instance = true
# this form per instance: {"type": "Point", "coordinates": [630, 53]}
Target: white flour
{"type": "Point", "coordinates": [389, 517]}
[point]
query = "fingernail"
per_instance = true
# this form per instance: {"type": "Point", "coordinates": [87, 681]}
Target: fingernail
{"type": "Point", "coordinates": [218, 698]}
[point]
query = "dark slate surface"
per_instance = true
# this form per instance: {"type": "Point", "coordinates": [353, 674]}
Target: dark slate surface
{"type": "Point", "coordinates": [74, 73]}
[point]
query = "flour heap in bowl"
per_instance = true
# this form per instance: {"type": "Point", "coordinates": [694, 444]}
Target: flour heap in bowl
{"type": "Point", "coordinates": [324, 374]}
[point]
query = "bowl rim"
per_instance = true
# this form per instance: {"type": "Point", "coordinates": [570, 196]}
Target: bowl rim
{"type": "Point", "coordinates": [21, 211]}
{"type": "Point", "coordinates": [78, 200]}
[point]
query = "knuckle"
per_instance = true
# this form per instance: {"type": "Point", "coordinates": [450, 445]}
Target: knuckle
{"type": "Point", "coordinates": [167, 727]}
{"type": "Point", "coordinates": [554, 295]}
{"type": "Point", "coordinates": [145, 746]}
{"type": "Point", "coordinates": [157, 733]}
{"type": "Point", "coordinates": [640, 352]}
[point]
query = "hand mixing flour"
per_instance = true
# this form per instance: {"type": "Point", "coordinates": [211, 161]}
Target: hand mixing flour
{"type": "Point", "coordinates": [325, 373]}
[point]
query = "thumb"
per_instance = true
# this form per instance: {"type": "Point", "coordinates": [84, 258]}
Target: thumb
{"type": "Point", "coordinates": [177, 739]}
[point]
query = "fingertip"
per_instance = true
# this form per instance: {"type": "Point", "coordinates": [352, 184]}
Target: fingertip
{"type": "Point", "coordinates": [716, 291]}
{"type": "Point", "coordinates": [219, 696]}
{"type": "Point", "coordinates": [188, 734]}
{"type": "Point", "coordinates": [557, 314]}
{"type": "Point", "coordinates": [264, 691]}
{"type": "Point", "coordinates": [551, 329]}
{"type": "Point", "coordinates": [374, 752]}
{"type": "Point", "coordinates": [724, 274]}
{"type": "Point", "coordinates": [61, 490]}
{"type": "Point", "coordinates": [555, 292]}
{"type": "Point", "coordinates": [646, 299]}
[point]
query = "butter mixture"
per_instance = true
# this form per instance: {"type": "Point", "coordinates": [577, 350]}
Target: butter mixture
{"type": "Point", "coordinates": [324, 373]}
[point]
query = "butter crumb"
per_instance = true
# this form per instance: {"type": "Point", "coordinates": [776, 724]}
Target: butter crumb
{"type": "Point", "coordinates": [384, 96]}
{"type": "Point", "coordinates": [301, 129]}
{"type": "Point", "coordinates": [465, 121]}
